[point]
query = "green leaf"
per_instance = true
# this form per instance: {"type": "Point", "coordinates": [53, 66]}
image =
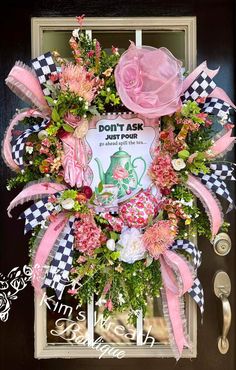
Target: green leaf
{"type": "Point", "coordinates": [49, 100]}
{"type": "Point", "coordinates": [113, 235]}
{"type": "Point", "coordinates": [55, 115]}
{"type": "Point", "coordinates": [127, 166]}
{"type": "Point", "coordinates": [67, 127]}
{"type": "Point", "coordinates": [115, 255]}
{"type": "Point", "coordinates": [100, 187]}
{"type": "Point", "coordinates": [184, 154]}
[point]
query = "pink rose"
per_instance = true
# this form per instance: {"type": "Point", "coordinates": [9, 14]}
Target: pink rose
{"type": "Point", "coordinates": [72, 120]}
{"type": "Point", "coordinates": [120, 173]}
{"type": "Point", "coordinates": [149, 81]}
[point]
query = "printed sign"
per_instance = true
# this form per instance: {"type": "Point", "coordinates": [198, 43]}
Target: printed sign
{"type": "Point", "coordinates": [122, 151]}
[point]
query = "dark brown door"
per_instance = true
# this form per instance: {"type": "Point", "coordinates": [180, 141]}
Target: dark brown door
{"type": "Point", "coordinates": [215, 43]}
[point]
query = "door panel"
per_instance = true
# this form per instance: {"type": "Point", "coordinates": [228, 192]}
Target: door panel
{"type": "Point", "coordinates": [215, 43]}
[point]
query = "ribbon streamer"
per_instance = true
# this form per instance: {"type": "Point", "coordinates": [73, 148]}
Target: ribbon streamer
{"type": "Point", "coordinates": [196, 291]}
{"type": "Point", "coordinates": [37, 213]}
{"type": "Point", "coordinates": [44, 66]}
{"type": "Point", "coordinates": [210, 203]}
{"type": "Point", "coordinates": [19, 144]}
{"type": "Point", "coordinates": [58, 274]}
{"type": "Point", "coordinates": [177, 280]}
{"type": "Point", "coordinates": [49, 238]}
{"type": "Point", "coordinates": [222, 145]}
{"type": "Point", "coordinates": [33, 192]}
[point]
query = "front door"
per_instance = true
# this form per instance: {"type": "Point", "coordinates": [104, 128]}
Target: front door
{"type": "Point", "coordinates": [215, 43]}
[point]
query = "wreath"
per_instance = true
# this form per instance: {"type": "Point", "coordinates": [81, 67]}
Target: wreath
{"type": "Point", "coordinates": [117, 239]}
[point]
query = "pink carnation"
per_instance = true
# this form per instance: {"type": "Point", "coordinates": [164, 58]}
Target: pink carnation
{"type": "Point", "coordinates": [161, 171]}
{"type": "Point", "coordinates": [159, 237]}
{"type": "Point", "coordinates": [87, 236]}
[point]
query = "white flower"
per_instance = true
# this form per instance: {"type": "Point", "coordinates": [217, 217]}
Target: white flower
{"type": "Point", "coordinates": [178, 164]}
{"type": "Point", "coordinates": [75, 33]}
{"type": "Point", "coordinates": [29, 149]}
{"type": "Point", "coordinates": [42, 134]}
{"type": "Point", "coordinates": [189, 204]}
{"type": "Point", "coordinates": [130, 246]}
{"type": "Point", "coordinates": [100, 302]}
{"type": "Point", "coordinates": [111, 245]}
{"type": "Point", "coordinates": [121, 299]}
{"type": "Point", "coordinates": [68, 203]}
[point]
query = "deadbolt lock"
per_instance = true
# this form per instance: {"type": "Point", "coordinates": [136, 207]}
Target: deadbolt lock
{"type": "Point", "coordinates": [222, 244]}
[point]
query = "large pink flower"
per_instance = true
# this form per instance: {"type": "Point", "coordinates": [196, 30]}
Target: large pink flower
{"type": "Point", "coordinates": [87, 236]}
{"type": "Point", "coordinates": [161, 171]}
{"type": "Point", "coordinates": [159, 237]}
{"type": "Point", "coordinates": [149, 81]}
{"type": "Point", "coordinates": [76, 79]}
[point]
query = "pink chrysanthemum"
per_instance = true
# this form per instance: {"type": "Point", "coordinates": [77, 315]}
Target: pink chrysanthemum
{"type": "Point", "coordinates": [87, 236]}
{"type": "Point", "coordinates": [76, 79]}
{"type": "Point", "coordinates": [161, 171]}
{"type": "Point", "coordinates": [159, 237]}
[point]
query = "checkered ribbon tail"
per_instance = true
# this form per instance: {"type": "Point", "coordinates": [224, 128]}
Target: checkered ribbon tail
{"type": "Point", "coordinates": [196, 291]}
{"type": "Point", "coordinates": [37, 214]}
{"type": "Point", "coordinates": [19, 144]}
{"type": "Point", "coordinates": [44, 66]}
{"type": "Point", "coordinates": [187, 246]}
{"type": "Point", "coordinates": [223, 171]}
{"type": "Point", "coordinates": [201, 87]}
{"type": "Point", "coordinates": [216, 107]}
{"type": "Point", "coordinates": [218, 186]}
{"type": "Point", "coordinates": [57, 276]}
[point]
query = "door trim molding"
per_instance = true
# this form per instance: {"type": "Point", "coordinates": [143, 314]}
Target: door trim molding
{"type": "Point", "coordinates": [188, 25]}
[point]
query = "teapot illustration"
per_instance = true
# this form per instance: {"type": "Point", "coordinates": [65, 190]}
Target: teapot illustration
{"type": "Point", "coordinates": [121, 172]}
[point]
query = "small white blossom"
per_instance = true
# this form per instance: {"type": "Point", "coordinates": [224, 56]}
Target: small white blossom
{"type": "Point", "coordinates": [121, 299]}
{"type": "Point", "coordinates": [100, 302]}
{"type": "Point", "coordinates": [75, 33]}
{"type": "Point", "coordinates": [111, 245]}
{"type": "Point", "coordinates": [178, 164]}
{"type": "Point", "coordinates": [189, 204]}
{"type": "Point", "coordinates": [29, 149]}
{"type": "Point", "coordinates": [42, 134]}
{"type": "Point", "coordinates": [67, 203]}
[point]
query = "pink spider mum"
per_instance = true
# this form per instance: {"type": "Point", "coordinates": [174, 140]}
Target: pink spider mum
{"type": "Point", "coordinates": [159, 237]}
{"type": "Point", "coordinates": [77, 80]}
{"type": "Point", "coordinates": [161, 171]}
{"type": "Point", "coordinates": [87, 236]}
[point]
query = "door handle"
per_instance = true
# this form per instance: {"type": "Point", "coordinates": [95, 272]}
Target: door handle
{"type": "Point", "coordinates": [222, 289]}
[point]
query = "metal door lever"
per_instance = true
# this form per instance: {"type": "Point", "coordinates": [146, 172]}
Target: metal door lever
{"type": "Point", "coordinates": [222, 289]}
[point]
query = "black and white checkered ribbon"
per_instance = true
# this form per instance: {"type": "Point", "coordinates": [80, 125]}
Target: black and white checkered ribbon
{"type": "Point", "coordinates": [58, 274]}
{"type": "Point", "coordinates": [38, 213]}
{"type": "Point", "coordinates": [216, 107]}
{"type": "Point", "coordinates": [44, 66]}
{"type": "Point", "coordinates": [214, 182]}
{"type": "Point", "coordinates": [196, 291]}
{"type": "Point", "coordinates": [202, 87]}
{"type": "Point", "coordinates": [19, 144]}
{"type": "Point", "coordinates": [223, 171]}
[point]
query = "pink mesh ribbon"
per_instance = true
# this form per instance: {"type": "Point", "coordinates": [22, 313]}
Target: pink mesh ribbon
{"type": "Point", "coordinates": [221, 145]}
{"type": "Point", "coordinates": [24, 83]}
{"type": "Point", "coordinates": [6, 147]}
{"type": "Point", "coordinates": [33, 192]}
{"type": "Point", "coordinates": [177, 279]}
{"type": "Point", "coordinates": [209, 201]}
